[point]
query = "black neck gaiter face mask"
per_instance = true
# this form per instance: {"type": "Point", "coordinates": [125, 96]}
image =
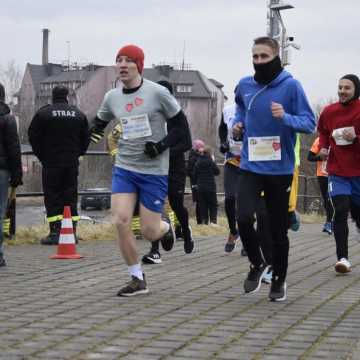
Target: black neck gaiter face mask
{"type": "Point", "coordinates": [267, 72]}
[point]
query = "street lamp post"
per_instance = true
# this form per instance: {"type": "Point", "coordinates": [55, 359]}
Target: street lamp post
{"type": "Point", "coordinates": [277, 29]}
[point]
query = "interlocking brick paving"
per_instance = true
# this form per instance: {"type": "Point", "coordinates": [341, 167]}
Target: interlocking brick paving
{"type": "Point", "coordinates": [196, 309]}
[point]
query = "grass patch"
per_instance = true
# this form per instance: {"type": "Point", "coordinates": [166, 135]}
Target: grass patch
{"type": "Point", "coordinates": [106, 231]}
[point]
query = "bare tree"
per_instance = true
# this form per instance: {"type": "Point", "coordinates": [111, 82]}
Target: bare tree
{"type": "Point", "coordinates": [319, 106]}
{"type": "Point", "coordinates": [10, 77]}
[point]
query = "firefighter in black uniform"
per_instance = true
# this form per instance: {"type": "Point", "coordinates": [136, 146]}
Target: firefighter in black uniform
{"type": "Point", "coordinates": [59, 135]}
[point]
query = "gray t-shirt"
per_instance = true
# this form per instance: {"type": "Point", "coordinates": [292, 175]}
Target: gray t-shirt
{"type": "Point", "coordinates": [142, 116]}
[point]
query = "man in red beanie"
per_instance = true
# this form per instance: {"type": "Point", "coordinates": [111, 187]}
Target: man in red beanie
{"type": "Point", "coordinates": [143, 108]}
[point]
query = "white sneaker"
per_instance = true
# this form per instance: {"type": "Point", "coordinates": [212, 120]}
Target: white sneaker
{"type": "Point", "coordinates": [343, 266]}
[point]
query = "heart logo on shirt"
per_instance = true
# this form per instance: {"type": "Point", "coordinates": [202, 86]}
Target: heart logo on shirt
{"type": "Point", "coordinates": [139, 101]}
{"type": "Point", "coordinates": [129, 107]}
{"type": "Point", "coordinates": [276, 146]}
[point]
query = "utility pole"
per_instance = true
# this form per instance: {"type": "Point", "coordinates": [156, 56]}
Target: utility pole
{"type": "Point", "coordinates": [277, 30]}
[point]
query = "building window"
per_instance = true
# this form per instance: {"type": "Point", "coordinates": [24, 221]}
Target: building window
{"type": "Point", "coordinates": [183, 88]}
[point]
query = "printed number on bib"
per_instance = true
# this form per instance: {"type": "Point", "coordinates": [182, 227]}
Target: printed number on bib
{"type": "Point", "coordinates": [136, 126]}
{"type": "Point", "coordinates": [264, 148]}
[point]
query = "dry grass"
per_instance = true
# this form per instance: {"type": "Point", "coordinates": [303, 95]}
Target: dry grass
{"type": "Point", "coordinates": [106, 231]}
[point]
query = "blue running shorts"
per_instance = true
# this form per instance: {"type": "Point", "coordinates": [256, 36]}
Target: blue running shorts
{"type": "Point", "coordinates": [341, 185]}
{"type": "Point", "coordinates": [151, 189]}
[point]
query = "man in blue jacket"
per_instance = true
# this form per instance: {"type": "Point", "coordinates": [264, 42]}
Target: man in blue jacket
{"type": "Point", "coordinates": [271, 109]}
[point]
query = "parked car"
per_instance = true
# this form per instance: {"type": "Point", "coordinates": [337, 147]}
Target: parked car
{"type": "Point", "coordinates": [95, 200]}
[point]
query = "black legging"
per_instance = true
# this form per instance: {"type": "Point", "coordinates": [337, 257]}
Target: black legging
{"type": "Point", "coordinates": [342, 205]}
{"type": "Point", "coordinates": [323, 184]}
{"type": "Point", "coordinates": [176, 201]}
{"type": "Point", "coordinates": [230, 211]}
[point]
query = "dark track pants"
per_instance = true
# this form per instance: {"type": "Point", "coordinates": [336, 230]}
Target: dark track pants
{"type": "Point", "coordinates": [276, 194]}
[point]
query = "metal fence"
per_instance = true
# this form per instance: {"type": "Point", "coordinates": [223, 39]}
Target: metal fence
{"type": "Point", "coordinates": [308, 200]}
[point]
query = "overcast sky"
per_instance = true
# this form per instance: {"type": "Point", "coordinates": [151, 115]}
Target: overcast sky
{"type": "Point", "coordinates": [217, 34]}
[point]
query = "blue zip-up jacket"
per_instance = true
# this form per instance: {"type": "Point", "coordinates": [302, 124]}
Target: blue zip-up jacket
{"type": "Point", "coordinates": [254, 111]}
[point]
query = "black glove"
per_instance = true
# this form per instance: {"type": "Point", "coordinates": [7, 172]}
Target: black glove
{"type": "Point", "coordinates": [224, 147]}
{"type": "Point", "coordinates": [153, 149]}
{"type": "Point", "coordinates": [96, 135]}
{"type": "Point", "coordinates": [16, 181]}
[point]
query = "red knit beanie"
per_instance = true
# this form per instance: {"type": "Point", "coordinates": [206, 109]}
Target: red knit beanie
{"type": "Point", "coordinates": [134, 53]}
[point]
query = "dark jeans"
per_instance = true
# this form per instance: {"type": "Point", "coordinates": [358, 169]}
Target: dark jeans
{"type": "Point", "coordinates": [4, 187]}
{"type": "Point", "coordinates": [208, 206]}
{"type": "Point", "coordinates": [323, 184]}
{"type": "Point", "coordinates": [276, 194]}
{"type": "Point", "coordinates": [60, 187]}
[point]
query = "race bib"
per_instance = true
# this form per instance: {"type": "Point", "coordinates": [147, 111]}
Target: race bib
{"type": "Point", "coordinates": [264, 148]}
{"type": "Point", "coordinates": [235, 146]}
{"type": "Point", "coordinates": [337, 134]}
{"type": "Point", "coordinates": [136, 126]}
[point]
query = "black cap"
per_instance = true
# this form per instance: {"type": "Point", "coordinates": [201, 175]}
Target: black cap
{"type": "Point", "coordinates": [2, 92]}
{"type": "Point", "coordinates": [355, 80]}
{"type": "Point", "coordinates": [166, 84]}
{"type": "Point", "coordinates": [60, 93]}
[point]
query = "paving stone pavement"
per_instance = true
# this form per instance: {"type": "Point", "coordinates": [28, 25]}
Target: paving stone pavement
{"type": "Point", "coordinates": [67, 309]}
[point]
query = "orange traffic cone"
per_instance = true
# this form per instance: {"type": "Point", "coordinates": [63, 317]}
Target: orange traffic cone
{"type": "Point", "coordinates": [66, 247]}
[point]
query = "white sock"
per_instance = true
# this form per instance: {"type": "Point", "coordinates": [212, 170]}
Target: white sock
{"type": "Point", "coordinates": [135, 270]}
{"type": "Point", "coordinates": [167, 226]}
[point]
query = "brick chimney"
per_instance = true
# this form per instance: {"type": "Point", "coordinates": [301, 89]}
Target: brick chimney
{"type": "Point", "coordinates": [45, 47]}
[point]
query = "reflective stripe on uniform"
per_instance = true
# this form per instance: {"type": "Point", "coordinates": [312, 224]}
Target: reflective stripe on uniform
{"type": "Point", "coordinates": [51, 219]}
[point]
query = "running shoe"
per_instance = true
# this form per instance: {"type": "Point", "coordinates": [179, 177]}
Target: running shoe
{"type": "Point", "coordinates": [277, 290]}
{"type": "Point", "coordinates": [253, 281]}
{"type": "Point", "coordinates": [188, 240]}
{"type": "Point", "coordinates": [327, 228]}
{"type": "Point", "coordinates": [294, 221]}
{"type": "Point", "coordinates": [343, 266]}
{"type": "Point", "coordinates": [134, 287]}
{"type": "Point", "coordinates": [268, 276]}
{"type": "Point", "coordinates": [153, 257]}
{"type": "Point", "coordinates": [168, 240]}
{"type": "Point", "coordinates": [243, 252]}
{"type": "Point", "coordinates": [230, 243]}
{"type": "Point", "coordinates": [178, 232]}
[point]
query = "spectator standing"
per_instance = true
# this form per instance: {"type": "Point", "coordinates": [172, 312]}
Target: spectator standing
{"type": "Point", "coordinates": [10, 161]}
{"type": "Point", "coordinates": [59, 135]}
{"type": "Point", "coordinates": [204, 173]}
{"type": "Point", "coordinates": [193, 156]}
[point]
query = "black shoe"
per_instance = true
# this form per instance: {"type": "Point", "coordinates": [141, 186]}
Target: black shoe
{"type": "Point", "coordinates": [2, 261]}
{"type": "Point", "coordinates": [188, 241]}
{"type": "Point", "coordinates": [277, 290]}
{"type": "Point", "coordinates": [253, 281]}
{"type": "Point", "coordinates": [134, 287]}
{"type": "Point", "coordinates": [153, 257]}
{"type": "Point", "coordinates": [168, 240]}
{"type": "Point", "coordinates": [243, 252]}
{"type": "Point", "coordinates": [51, 239]}
{"type": "Point", "coordinates": [178, 232]}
